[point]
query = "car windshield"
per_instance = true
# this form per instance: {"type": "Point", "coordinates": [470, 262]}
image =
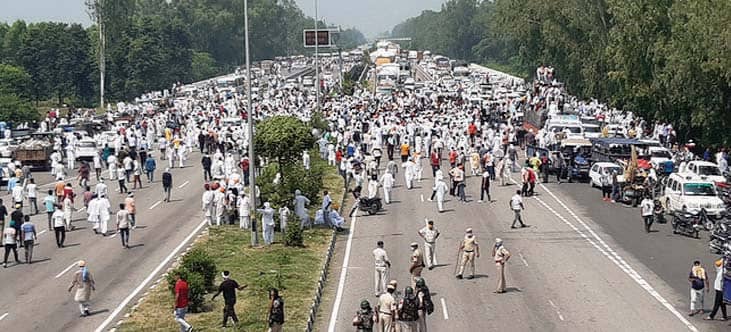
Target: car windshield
{"type": "Point", "coordinates": [3, 143]}
{"type": "Point", "coordinates": [614, 170]}
{"type": "Point", "coordinates": [661, 154]}
{"type": "Point", "coordinates": [86, 144]}
{"type": "Point", "coordinates": [590, 129]}
{"type": "Point", "coordinates": [699, 189]}
{"type": "Point", "coordinates": [708, 170]}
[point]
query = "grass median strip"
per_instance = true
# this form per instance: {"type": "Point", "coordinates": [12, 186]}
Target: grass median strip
{"type": "Point", "coordinates": [295, 270]}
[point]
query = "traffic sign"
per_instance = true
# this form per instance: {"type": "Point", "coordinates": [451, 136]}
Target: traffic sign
{"type": "Point", "coordinates": [324, 37]}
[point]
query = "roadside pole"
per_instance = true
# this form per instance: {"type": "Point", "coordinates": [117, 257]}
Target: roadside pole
{"type": "Point", "coordinates": [250, 118]}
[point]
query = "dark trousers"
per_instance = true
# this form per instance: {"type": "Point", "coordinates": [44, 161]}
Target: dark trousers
{"type": "Point", "coordinates": [228, 311]}
{"type": "Point", "coordinates": [166, 191]}
{"type": "Point", "coordinates": [150, 175]}
{"type": "Point", "coordinates": [648, 222]}
{"type": "Point", "coordinates": [122, 187]}
{"type": "Point", "coordinates": [50, 224]}
{"type": "Point", "coordinates": [483, 192]}
{"type": "Point", "coordinates": [531, 188]}
{"type": "Point", "coordinates": [524, 189]}
{"type": "Point", "coordinates": [434, 169]}
{"type": "Point", "coordinates": [8, 248]}
{"type": "Point", "coordinates": [28, 250]}
{"type": "Point", "coordinates": [60, 235]}
{"type": "Point", "coordinates": [718, 303]}
{"type": "Point", "coordinates": [207, 174]}
{"type": "Point", "coordinates": [124, 235]}
{"type": "Point", "coordinates": [606, 192]}
{"type": "Point", "coordinates": [389, 151]}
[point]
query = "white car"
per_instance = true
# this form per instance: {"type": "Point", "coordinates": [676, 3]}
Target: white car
{"type": "Point", "coordinates": [85, 149]}
{"type": "Point", "coordinates": [5, 172]}
{"type": "Point", "coordinates": [659, 155]}
{"type": "Point", "coordinates": [685, 191]}
{"type": "Point", "coordinates": [7, 146]}
{"type": "Point", "coordinates": [703, 169]}
{"type": "Point", "coordinates": [599, 169]}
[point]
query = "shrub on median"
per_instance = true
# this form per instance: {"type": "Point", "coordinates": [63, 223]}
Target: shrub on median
{"type": "Point", "coordinates": [198, 261]}
{"type": "Point", "coordinates": [196, 288]}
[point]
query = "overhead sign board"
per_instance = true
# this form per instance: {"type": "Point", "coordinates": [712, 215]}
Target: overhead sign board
{"type": "Point", "coordinates": [321, 37]}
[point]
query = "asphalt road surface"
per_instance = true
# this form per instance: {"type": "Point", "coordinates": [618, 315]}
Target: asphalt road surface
{"type": "Point", "coordinates": [582, 265]}
{"type": "Point", "coordinates": [35, 298]}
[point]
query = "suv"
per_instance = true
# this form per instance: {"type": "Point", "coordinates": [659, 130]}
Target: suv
{"type": "Point", "coordinates": [703, 169]}
{"type": "Point", "coordinates": [685, 191]}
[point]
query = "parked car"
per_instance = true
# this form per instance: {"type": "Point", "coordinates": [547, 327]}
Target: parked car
{"type": "Point", "coordinates": [86, 149]}
{"type": "Point", "coordinates": [689, 192]}
{"type": "Point", "coordinates": [599, 169]}
{"type": "Point", "coordinates": [703, 169]}
{"type": "Point", "coordinates": [7, 147]}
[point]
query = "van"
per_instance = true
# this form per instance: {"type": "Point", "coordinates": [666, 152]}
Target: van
{"type": "Point", "coordinates": [685, 191]}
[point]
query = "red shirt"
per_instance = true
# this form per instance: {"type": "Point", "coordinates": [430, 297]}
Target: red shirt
{"type": "Point", "coordinates": [472, 129]}
{"type": "Point", "coordinates": [181, 294]}
{"type": "Point", "coordinates": [434, 159]}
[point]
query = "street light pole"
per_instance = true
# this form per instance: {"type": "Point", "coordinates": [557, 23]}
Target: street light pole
{"type": "Point", "coordinates": [317, 62]}
{"type": "Point", "coordinates": [250, 118]}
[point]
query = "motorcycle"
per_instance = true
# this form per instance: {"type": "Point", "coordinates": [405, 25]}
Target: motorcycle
{"type": "Point", "coordinates": [719, 237]}
{"type": "Point", "coordinates": [659, 213]}
{"type": "Point", "coordinates": [688, 223]}
{"type": "Point", "coordinates": [371, 205]}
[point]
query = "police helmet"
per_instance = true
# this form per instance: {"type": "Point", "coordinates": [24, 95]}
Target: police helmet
{"type": "Point", "coordinates": [420, 282]}
{"type": "Point", "coordinates": [408, 290]}
{"type": "Point", "coordinates": [365, 305]}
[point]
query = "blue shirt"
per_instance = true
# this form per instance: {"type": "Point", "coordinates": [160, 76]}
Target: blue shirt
{"type": "Point", "coordinates": [150, 164]}
{"type": "Point", "coordinates": [49, 202]}
{"type": "Point", "coordinates": [29, 231]}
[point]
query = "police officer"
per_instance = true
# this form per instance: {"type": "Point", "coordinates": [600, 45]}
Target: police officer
{"type": "Point", "coordinates": [408, 311]}
{"type": "Point", "coordinates": [364, 318]}
{"type": "Point", "coordinates": [386, 310]}
{"type": "Point", "coordinates": [430, 234]}
{"type": "Point", "coordinates": [382, 268]}
{"type": "Point", "coordinates": [501, 256]}
{"type": "Point", "coordinates": [426, 306]}
{"type": "Point", "coordinates": [417, 263]}
{"type": "Point", "coordinates": [468, 249]}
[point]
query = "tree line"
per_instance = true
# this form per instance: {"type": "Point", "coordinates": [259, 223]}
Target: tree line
{"type": "Point", "coordinates": [666, 60]}
{"type": "Point", "coordinates": [149, 45]}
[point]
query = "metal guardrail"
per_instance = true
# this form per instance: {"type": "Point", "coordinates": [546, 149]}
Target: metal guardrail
{"type": "Point", "coordinates": [317, 298]}
{"type": "Point", "coordinates": [303, 72]}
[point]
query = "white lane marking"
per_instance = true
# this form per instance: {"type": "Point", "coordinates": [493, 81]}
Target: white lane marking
{"type": "Point", "coordinates": [66, 270]}
{"type": "Point", "coordinates": [113, 235]}
{"type": "Point", "coordinates": [343, 274]}
{"type": "Point", "coordinates": [444, 309]}
{"type": "Point", "coordinates": [184, 184]}
{"type": "Point", "coordinates": [149, 278]}
{"type": "Point", "coordinates": [41, 232]}
{"type": "Point", "coordinates": [422, 197]}
{"type": "Point", "coordinates": [155, 205]}
{"type": "Point", "coordinates": [610, 253]}
{"type": "Point", "coordinates": [81, 209]}
{"type": "Point", "coordinates": [556, 308]}
{"type": "Point", "coordinates": [4, 315]}
{"type": "Point", "coordinates": [522, 259]}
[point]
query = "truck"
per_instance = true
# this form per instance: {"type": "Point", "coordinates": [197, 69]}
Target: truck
{"type": "Point", "coordinates": [35, 152]}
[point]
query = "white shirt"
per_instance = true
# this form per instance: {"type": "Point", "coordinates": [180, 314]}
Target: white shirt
{"type": "Point", "coordinates": [18, 193]}
{"type": "Point", "coordinates": [515, 202]}
{"type": "Point", "coordinates": [31, 190]}
{"type": "Point", "coordinates": [381, 257]}
{"type": "Point", "coordinates": [718, 282]}
{"type": "Point", "coordinates": [648, 206]}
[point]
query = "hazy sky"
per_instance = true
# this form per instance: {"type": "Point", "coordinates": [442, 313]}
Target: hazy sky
{"type": "Point", "coordinates": [369, 16]}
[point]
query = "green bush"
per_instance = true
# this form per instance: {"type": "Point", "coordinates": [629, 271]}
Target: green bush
{"type": "Point", "coordinates": [198, 261]}
{"type": "Point", "coordinates": [196, 287]}
{"type": "Point", "coordinates": [293, 237]}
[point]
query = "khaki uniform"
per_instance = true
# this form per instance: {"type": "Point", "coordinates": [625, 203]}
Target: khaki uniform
{"type": "Point", "coordinates": [430, 248]}
{"type": "Point", "coordinates": [469, 245]}
{"type": "Point", "coordinates": [501, 256]}
{"type": "Point", "coordinates": [386, 307]}
{"type": "Point", "coordinates": [417, 258]}
{"type": "Point", "coordinates": [381, 271]}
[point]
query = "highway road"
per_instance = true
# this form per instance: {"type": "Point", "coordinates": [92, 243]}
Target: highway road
{"type": "Point", "coordinates": [35, 298]}
{"type": "Point", "coordinates": [583, 264]}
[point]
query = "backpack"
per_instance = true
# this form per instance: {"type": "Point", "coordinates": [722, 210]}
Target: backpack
{"type": "Point", "coordinates": [366, 320]}
{"type": "Point", "coordinates": [409, 310]}
{"type": "Point", "coordinates": [428, 303]}
{"type": "Point", "coordinates": [696, 283]}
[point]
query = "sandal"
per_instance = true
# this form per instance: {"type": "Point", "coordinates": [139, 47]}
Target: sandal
{"type": "Point", "coordinates": [707, 318]}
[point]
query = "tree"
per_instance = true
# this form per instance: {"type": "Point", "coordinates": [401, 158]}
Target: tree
{"type": "Point", "coordinates": [203, 66]}
{"type": "Point", "coordinates": [14, 109]}
{"type": "Point", "coordinates": [14, 80]}
{"type": "Point", "coordinates": [282, 139]}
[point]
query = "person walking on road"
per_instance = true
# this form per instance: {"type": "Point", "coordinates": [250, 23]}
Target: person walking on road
{"type": "Point", "coordinates": [32, 195]}
{"type": "Point", "coordinates": [467, 251]}
{"type": "Point", "coordinates": [49, 202]}
{"type": "Point", "coordinates": [59, 226]}
{"type": "Point", "coordinates": [430, 234]}
{"type": "Point", "coordinates": [121, 177]}
{"type": "Point", "coordinates": [131, 207]}
{"type": "Point", "coordinates": [206, 162]}
{"type": "Point", "coordinates": [84, 283]}
{"type": "Point", "coordinates": [167, 184]}
{"type": "Point", "coordinates": [123, 221]}
{"type": "Point", "coordinates": [441, 189]}
{"type": "Point", "coordinates": [426, 306]}
{"type": "Point", "coordinates": [181, 303]}
{"type": "Point", "coordinates": [718, 287]}
{"type": "Point", "coordinates": [408, 311]}
{"type": "Point", "coordinates": [228, 287]}
{"type": "Point", "coordinates": [150, 166]}
{"type": "Point", "coordinates": [417, 263]}
{"type": "Point", "coordinates": [386, 310]}
{"type": "Point", "coordinates": [387, 181]}
{"type": "Point", "coordinates": [382, 268]}
{"type": "Point", "coordinates": [276, 311]}
{"type": "Point", "coordinates": [501, 257]}
{"type": "Point", "coordinates": [485, 187]}
{"type": "Point", "coordinates": [516, 204]}
{"type": "Point", "coordinates": [10, 243]}
{"type": "Point", "coordinates": [29, 236]}
{"type": "Point", "coordinates": [207, 203]}
{"type": "Point", "coordinates": [648, 212]}
{"type": "Point", "coordinates": [698, 282]}
{"type": "Point", "coordinates": [365, 318]}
